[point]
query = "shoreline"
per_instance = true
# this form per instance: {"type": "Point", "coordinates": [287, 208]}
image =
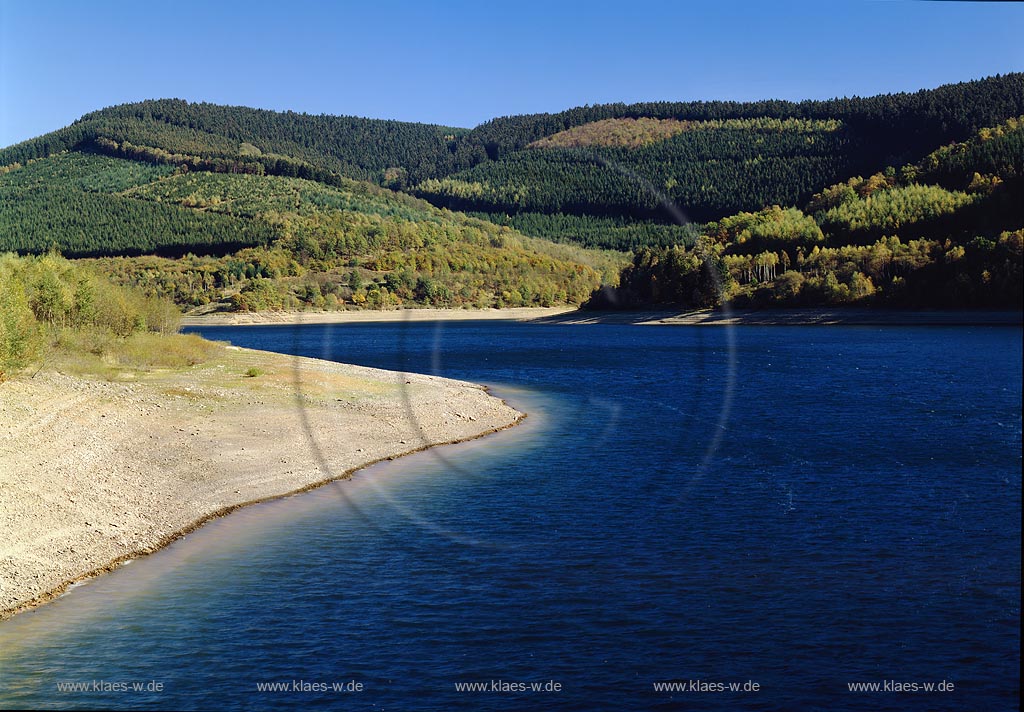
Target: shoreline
{"type": "Point", "coordinates": [47, 566]}
{"type": "Point", "coordinates": [570, 315]}
{"type": "Point", "coordinates": [792, 317]}
{"type": "Point", "coordinates": [370, 316]}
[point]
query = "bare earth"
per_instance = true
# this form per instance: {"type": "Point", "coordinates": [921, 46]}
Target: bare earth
{"type": "Point", "coordinates": [571, 315]}
{"type": "Point", "coordinates": [93, 472]}
{"type": "Point", "coordinates": [792, 317]}
{"type": "Point", "coordinates": [370, 315]}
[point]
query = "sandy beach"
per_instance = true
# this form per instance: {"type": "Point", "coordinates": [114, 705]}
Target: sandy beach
{"type": "Point", "coordinates": [94, 473]}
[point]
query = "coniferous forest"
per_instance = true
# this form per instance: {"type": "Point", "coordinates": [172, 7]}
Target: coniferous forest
{"type": "Point", "coordinates": [908, 200]}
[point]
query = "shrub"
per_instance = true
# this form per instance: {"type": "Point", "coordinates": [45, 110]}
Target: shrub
{"type": "Point", "coordinates": [50, 302]}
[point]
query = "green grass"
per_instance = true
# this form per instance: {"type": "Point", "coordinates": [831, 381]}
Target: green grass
{"type": "Point", "coordinates": [97, 353]}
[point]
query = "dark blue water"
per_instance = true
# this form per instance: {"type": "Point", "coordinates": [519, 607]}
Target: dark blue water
{"type": "Point", "coordinates": [799, 508]}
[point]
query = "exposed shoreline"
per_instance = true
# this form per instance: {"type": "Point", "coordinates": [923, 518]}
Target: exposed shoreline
{"type": "Point", "coordinates": [96, 473]}
{"type": "Point", "coordinates": [371, 315]}
{"type": "Point", "coordinates": [793, 317]}
{"type": "Point", "coordinates": [570, 315]}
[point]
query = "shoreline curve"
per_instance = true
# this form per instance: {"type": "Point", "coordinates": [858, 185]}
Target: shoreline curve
{"type": "Point", "coordinates": [475, 413]}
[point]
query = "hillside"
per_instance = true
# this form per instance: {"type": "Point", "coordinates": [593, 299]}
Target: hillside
{"type": "Point", "coordinates": [945, 232]}
{"type": "Point", "coordinates": [707, 159]}
{"type": "Point", "coordinates": [235, 208]}
{"type": "Point", "coordinates": [634, 133]}
{"type": "Point", "coordinates": [711, 159]}
{"type": "Point", "coordinates": [709, 170]}
{"type": "Point", "coordinates": [76, 202]}
{"type": "Point", "coordinates": [247, 241]}
{"type": "Point", "coordinates": [249, 140]}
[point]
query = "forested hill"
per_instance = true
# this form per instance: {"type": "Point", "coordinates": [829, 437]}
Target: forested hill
{"type": "Point", "coordinates": [243, 140]}
{"type": "Point", "coordinates": [729, 157]}
{"type": "Point", "coordinates": [945, 232]}
{"type": "Point", "coordinates": [243, 241]}
{"type": "Point", "coordinates": [288, 209]}
{"type": "Point", "coordinates": [710, 159]}
{"type": "Point", "coordinates": [904, 122]}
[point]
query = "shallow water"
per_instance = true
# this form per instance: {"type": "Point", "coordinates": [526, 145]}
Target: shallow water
{"type": "Point", "coordinates": [798, 508]}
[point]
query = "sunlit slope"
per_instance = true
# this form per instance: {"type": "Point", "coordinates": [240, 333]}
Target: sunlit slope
{"type": "Point", "coordinates": [76, 203]}
{"type": "Point", "coordinates": [258, 242]}
{"type": "Point", "coordinates": [616, 161]}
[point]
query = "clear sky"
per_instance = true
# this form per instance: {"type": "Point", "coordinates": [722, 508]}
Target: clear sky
{"type": "Point", "coordinates": [461, 63]}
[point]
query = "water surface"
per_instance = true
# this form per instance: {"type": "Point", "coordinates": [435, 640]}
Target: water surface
{"type": "Point", "coordinates": [799, 508]}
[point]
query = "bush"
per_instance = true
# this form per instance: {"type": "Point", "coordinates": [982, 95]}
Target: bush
{"type": "Point", "coordinates": [50, 300]}
{"type": "Point", "coordinates": [788, 286]}
{"type": "Point", "coordinates": [20, 334]}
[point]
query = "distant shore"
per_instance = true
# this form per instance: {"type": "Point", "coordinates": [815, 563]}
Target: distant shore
{"type": "Point", "coordinates": [372, 315]}
{"type": "Point", "coordinates": [571, 315]}
{"type": "Point", "coordinates": [794, 317]}
{"type": "Point", "coordinates": [94, 473]}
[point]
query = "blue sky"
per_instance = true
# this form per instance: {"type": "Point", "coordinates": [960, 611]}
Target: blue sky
{"type": "Point", "coordinates": [461, 63]}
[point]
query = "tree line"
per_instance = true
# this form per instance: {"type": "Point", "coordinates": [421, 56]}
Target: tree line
{"type": "Point", "coordinates": [889, 273]}
{"type": "Point", "coordinates": [47, 302]}
{"type": "Point", "coordinates": [882, 240]}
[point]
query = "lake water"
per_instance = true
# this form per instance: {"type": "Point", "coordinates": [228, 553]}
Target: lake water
{"type": "Point", "coordinates": [789, 508]}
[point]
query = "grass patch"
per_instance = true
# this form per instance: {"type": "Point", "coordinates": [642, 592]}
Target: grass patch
{"type": "Point", "coordinates": [148, 350]}
{"type": "Point", "coordinates": [99, 353]}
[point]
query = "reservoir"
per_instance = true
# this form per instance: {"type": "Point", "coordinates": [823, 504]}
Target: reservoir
{"type": "Point", "coordinates": [709, 518]}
